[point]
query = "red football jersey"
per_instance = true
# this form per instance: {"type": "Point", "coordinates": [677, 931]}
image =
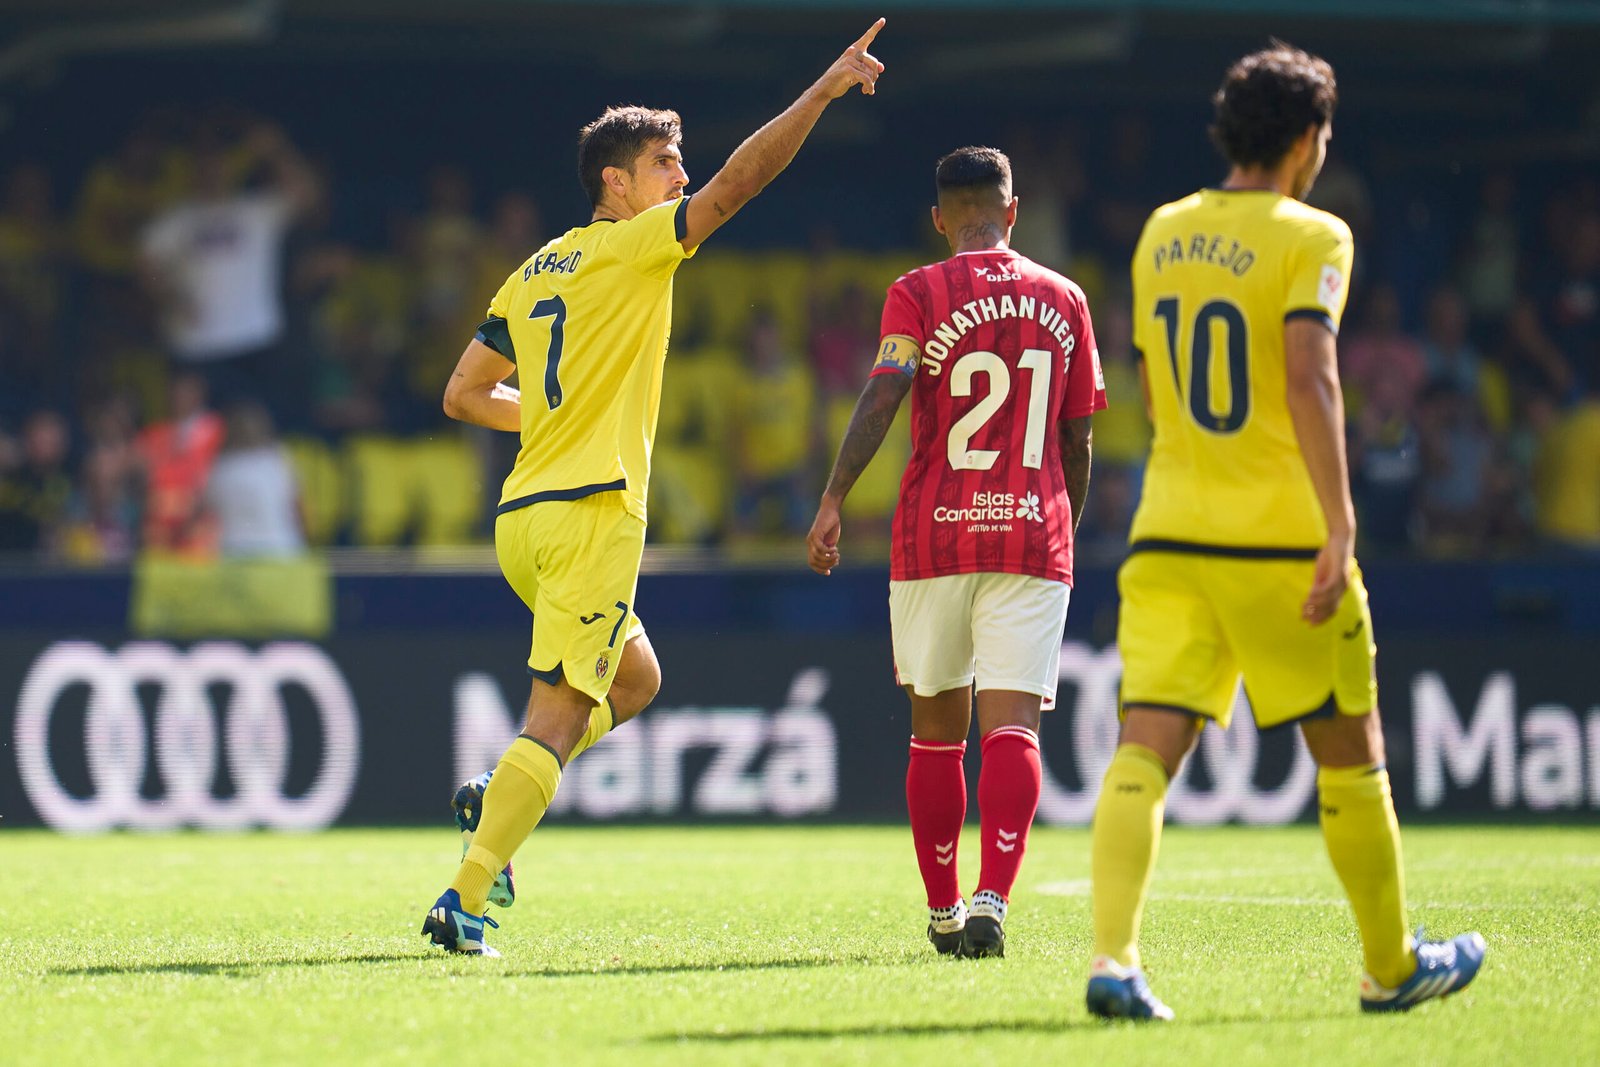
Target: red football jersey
{"type": "Point", "coordinates": [1008, 351]}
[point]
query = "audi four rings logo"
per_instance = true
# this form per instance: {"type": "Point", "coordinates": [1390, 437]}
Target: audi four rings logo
{"type": "Point", "coordinates": [183, 739]}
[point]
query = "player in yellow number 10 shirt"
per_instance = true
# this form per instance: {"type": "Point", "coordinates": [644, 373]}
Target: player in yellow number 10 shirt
{"type": "Point", "coordinates": [1240, 560]}
{"type": "Point", "coordinates": [584, 323]}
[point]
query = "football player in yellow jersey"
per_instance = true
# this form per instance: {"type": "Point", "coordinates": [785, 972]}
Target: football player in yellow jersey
{"type": "Point", "coordinates": [584, 323]}
{"type": "Point", "coordinates": [1241, 556]}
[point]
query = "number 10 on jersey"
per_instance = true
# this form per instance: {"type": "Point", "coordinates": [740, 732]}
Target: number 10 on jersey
{"type": "Point", "coordinates": [1210, 315]}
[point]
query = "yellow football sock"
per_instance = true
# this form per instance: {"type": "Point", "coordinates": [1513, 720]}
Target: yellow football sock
{"type": "Point", "coordinates": [1363, 839]}
{"type": "Point", "coordinates": [602, 720]}
{"type": "Point", "coordinates": [473, 881]}
{"type": "Point", "coordinates": [1126, 836]}
{"type": "Point", "coordinates": [523, 785]}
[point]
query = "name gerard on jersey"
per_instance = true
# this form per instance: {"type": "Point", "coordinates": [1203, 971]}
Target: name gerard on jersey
{"type": "Point", "coordinates": [553, 263]}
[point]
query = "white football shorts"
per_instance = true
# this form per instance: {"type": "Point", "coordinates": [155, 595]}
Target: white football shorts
{"type": "Point", "coordinates": [1001, 630]}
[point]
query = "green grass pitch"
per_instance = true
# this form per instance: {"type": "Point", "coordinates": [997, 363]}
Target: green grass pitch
{"type": "Point", "coordinates": [767, 945]}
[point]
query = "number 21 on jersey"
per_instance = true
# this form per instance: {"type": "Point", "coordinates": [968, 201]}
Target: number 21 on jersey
{"type": "Point", "coordinates": [1199, 334]}
{"type": "Point", "coordinates": [1034, 360]}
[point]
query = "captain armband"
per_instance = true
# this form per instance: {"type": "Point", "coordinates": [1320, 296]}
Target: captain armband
{"type": "Point", "coordinates": [898, 353]}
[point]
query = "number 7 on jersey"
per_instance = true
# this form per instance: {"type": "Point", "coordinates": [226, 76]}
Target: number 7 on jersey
{"type": "Point", "coordinates": [555, 309]}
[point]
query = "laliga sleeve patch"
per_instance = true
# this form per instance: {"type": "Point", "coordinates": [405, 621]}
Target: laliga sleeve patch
{"type": "Point", "coordinates": [900, 354]}
{"type": "Point", "coordinates": [1329, 287]}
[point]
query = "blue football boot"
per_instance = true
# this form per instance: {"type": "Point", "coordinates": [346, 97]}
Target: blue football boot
{"type": "Point", "coordinates": [1117, 992]}
{"type": "Point", "coordinates": [456, 930]}
{"type": "Point", "coordinates": [1443, 967]}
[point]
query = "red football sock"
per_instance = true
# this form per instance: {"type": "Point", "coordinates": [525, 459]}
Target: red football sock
{"type": "Point", "coordinates": [936, 793]}
{"type": "Point", "coordinates": [1008, 795]}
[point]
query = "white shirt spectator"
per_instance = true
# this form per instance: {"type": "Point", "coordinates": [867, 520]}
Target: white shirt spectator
{"type": "Point", "coordinates": [221, 261]}
{"type": "Point", "coordinates": [253, 495]}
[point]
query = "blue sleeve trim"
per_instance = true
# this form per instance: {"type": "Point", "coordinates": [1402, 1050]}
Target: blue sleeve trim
{"type": "Point", "coordinates": [1314, 313]}
{"type": "Point", "coordinates": [680, 219]}
{"type": "Point", "coordinates": [495, 333]}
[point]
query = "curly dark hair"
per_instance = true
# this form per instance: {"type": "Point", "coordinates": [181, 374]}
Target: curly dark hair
{"type": "Point", "coordinates": [616, 138]}
{"type": "Point", "coordinates": [1267, 100]}
{"type": "Point", "coordinates": [973, 169]}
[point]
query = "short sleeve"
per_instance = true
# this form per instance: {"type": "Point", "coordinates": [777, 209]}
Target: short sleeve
{"type": "Point", "coordinates": [1320, 273]}
{"type": "Point", "coordinates": [900, 344]}
{"type": "Point", "coordinates": [650, 242]}
{"type": "Point", "coordinates": [902, 313]}
{"type": "Point", "coordinates": [1137, 324]}
{"type": "Point", "coordinates": [495, 332]}
{"type": "Point", "coordinates": [1086, 382]}
{"type": "Point", "coordinates": [500, 306]}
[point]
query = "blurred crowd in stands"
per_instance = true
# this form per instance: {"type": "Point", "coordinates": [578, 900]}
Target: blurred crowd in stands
{"type": "Point", "coordinates": [192, 362]}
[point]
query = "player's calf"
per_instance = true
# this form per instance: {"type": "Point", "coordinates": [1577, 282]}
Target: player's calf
{"type": "Point", "coordinates": [936, 794]}
{"type": "Point", "coordinates": [1008, 797]}
{"type": "Point", "coordinates": [468, 807]}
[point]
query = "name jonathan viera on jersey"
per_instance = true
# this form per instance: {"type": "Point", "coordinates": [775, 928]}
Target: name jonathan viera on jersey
{"type": "Point", "coordinates": [985, 490]}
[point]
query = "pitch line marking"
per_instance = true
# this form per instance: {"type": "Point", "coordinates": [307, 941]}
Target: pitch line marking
{"type": "Point", "coordinates": [1079, 887]}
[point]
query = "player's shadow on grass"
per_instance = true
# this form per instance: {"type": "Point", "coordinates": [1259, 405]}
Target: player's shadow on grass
{"type": "Point", "coordinates": [1056, 1025]}
{"type": "Point", "coordinates": [205, 967]}
{"type": "Point", "coordinates": [642, 968]}
{"type": "Point", "coordinates": [239, 967]}
{"type": "Point", "coordinates": [829, 1033]}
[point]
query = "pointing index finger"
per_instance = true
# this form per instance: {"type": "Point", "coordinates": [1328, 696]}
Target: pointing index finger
{"type": "Point", "coordinates": [872, 32]}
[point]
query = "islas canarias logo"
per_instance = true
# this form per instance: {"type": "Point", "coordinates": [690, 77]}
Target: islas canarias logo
{"type": "Point", "coordinates": [993, 507]}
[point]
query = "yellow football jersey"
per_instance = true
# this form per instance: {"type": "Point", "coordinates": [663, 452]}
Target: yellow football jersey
{"type": "Point", "coordinates": [1215, 277]}
{"type": "Point", "coordinates": [586, 318]}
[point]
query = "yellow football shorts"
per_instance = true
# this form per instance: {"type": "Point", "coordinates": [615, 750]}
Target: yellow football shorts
{"type": "Point", "coordinates": [576, 565]}
{"type": "Point", "coordinates": [1192, 624]}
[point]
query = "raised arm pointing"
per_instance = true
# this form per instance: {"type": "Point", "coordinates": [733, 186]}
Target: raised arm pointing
{"type": "Point", "coordinates": [766, 152]}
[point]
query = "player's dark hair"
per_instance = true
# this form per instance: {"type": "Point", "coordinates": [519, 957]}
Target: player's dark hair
{"type": "Point", "coordinates": [616, 138]}
{"type": "Point", "coordinates": [973, 170]}
{"type": "Point", "coordinates": [1267, 100]}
